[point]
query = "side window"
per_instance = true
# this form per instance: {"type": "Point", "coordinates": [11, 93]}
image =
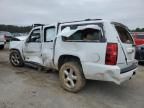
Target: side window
{"type": "Point", "coordinates": [35, 36]}
{"type": "Point", "coordinates": [86, 35]}
{"type": "Point", "coordinates": [49, 34]}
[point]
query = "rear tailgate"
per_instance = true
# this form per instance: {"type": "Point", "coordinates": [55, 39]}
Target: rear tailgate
{"type": "Point", "coordinates": [127, 45]}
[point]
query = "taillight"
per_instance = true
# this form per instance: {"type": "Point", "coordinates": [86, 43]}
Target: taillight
{"type": "Point", "coordinates": [111, 54]}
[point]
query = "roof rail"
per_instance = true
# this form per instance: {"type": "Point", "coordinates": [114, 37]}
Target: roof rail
{"type": "Point", "coordinates": [81, 20]}
{"type": "Point", "coordinates": [37, 25]}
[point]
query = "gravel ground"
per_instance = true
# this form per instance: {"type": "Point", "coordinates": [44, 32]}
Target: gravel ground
{"type": "Point", "coordinates": [27, 87]}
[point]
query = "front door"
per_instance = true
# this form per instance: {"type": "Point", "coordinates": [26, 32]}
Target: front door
{"type": "Point", "coordinates": [32, 47]}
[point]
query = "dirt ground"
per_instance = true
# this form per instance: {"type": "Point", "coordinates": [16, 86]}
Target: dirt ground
{"type": "Point", "coordinates": [27, 87]}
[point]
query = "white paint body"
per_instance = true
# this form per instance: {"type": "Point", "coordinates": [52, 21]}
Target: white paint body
{"type": "Point", "coordinates": [2, 40]}
{"type": "Point", "coordinates": [91, 54]}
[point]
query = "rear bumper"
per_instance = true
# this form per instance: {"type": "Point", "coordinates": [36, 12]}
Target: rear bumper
{"type": "Point", "coordinates": [129, 68]}
{"type": "Point", "coordinates": [126, 76]}
{"type": "Point", "coordinates": [140, 53]}
{"type": "Point", "coordinates": [107, 73]}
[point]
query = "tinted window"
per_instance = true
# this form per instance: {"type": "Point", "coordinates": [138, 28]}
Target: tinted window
{"type": "Point", "coordinates": [86, 35]}
{"type": "Point", "coordinates": [124, 35]}
{"type": "Point", "coordinates": [49, 34]}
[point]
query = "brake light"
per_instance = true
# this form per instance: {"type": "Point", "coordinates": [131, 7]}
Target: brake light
{"type": "Point", "coordinates": [111, 54]}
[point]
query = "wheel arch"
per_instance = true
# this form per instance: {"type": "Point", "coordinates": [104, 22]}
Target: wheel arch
{"type": "Point", "coordinates": [15, 49]}
{"type": "Point", "coordinates": [66, 57]}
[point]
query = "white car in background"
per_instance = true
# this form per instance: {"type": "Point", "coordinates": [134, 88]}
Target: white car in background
{"type": "Point", "coordinates": [2, 40]}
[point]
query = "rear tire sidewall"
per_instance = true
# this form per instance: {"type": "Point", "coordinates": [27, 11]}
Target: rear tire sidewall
{"type": "Point", "coordinates": [21, 63]}
{"type": "Point", "coordinates": [79, 73]}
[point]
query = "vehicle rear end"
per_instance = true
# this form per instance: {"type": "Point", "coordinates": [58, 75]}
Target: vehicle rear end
{"type": "Point", "coordinates": [2, 41]}
{"type": "Point", "coordinates": [120, 52]}
{"type": "Point", "coordinates": [109, 57]}
{"type": "Point", "coordinates": [139, 38]}
{"type": "Point", "coordinates": [139, 41]}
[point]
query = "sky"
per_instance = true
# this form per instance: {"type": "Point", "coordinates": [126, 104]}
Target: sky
{"type": "Point", "coordinates": [28, 12]}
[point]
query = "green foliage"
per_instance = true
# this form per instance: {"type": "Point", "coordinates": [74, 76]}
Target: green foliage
{"type": "Point", "coordinates": [138, 30]}
{"type": "Point", "coordinates": [15, 29]}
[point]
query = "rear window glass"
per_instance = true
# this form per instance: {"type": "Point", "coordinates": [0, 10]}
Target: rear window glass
{"type": "Point", "coordinates": [124, 35]}
{"type": "Point", "coordinates": [85, 35]}
{"type": "Point", "coordinates": [140, 36]}
{"type": "Point", "coordinates": [88, 34]}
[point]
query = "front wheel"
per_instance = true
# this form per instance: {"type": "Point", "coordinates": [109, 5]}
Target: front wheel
{"type": "Point", "coordinates": [71, 76]}
{"type": "Point", "coordinates": [16, 59]}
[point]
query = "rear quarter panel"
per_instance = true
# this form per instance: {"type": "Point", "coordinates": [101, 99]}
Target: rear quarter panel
{"type": "Point", "coordinates": [87, 51]}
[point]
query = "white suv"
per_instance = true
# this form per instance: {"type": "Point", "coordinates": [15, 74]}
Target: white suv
{"type": "Point", "coordinates": [89, 49]}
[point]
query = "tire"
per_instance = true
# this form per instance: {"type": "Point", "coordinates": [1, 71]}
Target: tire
{"type": "Point", "coordinates": [16, 59]}
{"type": "Point", "coordinates": [1, 46]}
{"type": "Point", "coordinates": [71, 76]}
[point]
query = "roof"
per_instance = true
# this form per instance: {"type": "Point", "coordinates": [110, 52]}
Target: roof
{"type": "Point", "coordinates": [78, 21]}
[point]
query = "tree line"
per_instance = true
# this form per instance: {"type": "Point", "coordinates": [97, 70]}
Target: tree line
{"type": "Point", "coordinates": [26, 29]}
{"type": "Point", "coordinates": [138, 30]}
{"type": "Point", "coordinates": [15, 29]}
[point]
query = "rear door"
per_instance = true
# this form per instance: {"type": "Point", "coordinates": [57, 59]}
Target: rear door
{"type": "Point", "coordinates": [127, 43]}
{"type": "Point", "coordinates": [49, 33]}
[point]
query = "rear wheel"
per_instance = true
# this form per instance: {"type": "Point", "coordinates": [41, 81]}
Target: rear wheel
{"type": "Point", "coordinates": [1, 46]}
{"type": "Point", "coordinates": [16, 59]}
{"type": "Point", "coordinates": [71, 76]}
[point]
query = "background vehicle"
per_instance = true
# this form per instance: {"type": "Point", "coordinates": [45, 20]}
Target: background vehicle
{"type": "Point", "coordinates": [139, 41]}
{"type": "Point", "coordinates": [89, 49]}
{"type": "Point", "coordinates": [2, 41]}
{"type": "Point", "coordinates": [140, 53]}
{"type": "Point", "coordinates": [7, 35]}
{"type": "Point", "coordinates": [138, 38]}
